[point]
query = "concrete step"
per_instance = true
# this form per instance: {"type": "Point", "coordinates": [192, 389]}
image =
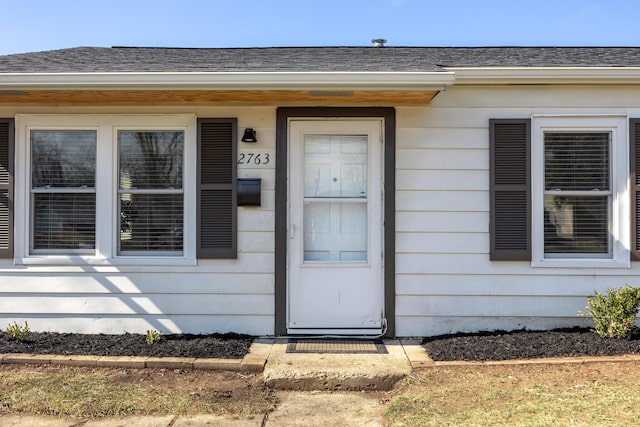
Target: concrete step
{"type": "Point", "coordinates": [327, 371]}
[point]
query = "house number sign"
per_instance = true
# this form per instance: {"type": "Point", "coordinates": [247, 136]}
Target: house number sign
{"type": "Point", "coordinates": [256, 159]}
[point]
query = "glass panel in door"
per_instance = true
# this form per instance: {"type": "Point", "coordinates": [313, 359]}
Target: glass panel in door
{"type": "Point", "coordinates": [335, 198]}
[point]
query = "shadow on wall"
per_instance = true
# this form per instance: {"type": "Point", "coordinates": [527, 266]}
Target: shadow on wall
{"type": "Point", "coordinates": [113, 302]}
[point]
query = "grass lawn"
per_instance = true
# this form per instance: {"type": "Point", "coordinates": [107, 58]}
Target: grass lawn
{"type": "Point", "coordinates": [589, 394]}
{"type": "Point", "coordinates": [94, 393]}
{"type": "Point", "coordinates": [595, 394]}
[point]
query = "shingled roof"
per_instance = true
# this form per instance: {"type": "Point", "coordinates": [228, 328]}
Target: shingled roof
{"type": "Point", "coordinates": [311, 59]}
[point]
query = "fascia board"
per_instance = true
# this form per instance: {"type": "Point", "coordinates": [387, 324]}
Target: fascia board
{"type": "Point", "coordinates": [228, 81]}
{"type": "Point", "coordinates": [546, 75]}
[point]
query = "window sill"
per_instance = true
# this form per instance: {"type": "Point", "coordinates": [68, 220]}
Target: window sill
{"type": "Point", "coordinates": [79, 260]}
{"type": "Point", "coordinates": [580, 263]}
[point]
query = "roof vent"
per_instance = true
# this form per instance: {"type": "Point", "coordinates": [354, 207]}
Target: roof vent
{"type": "Point", "coordinates": [378, 42]}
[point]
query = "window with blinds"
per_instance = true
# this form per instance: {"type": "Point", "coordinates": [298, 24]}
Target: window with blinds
{"type": "Point", "coordinates": [63, 193]}
{"type": "Point", "coordinates": [151, 193]}
{"type": "Point", "coordinates": [577, 194]}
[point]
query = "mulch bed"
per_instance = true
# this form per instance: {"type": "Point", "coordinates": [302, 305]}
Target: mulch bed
{"type": "Point", "coordinates": [482, 346]}
{"type": "Point", "coordinates": [227, 346]}
{"type": "Point", "coordinates": [523, 344]}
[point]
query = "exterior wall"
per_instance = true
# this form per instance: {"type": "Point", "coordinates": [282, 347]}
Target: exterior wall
{"type": "Point", "coordinates": [445, 281]}
{"type": "Point", "coordinates": [214, 296]}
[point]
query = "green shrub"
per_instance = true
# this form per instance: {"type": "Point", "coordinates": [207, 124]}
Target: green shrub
{"type": "Point", "coordinates": [19, 332]}
{"type": "Point", "coordinates": [614, 314]}
{"type": "Point", "coordinates": [153, 336]}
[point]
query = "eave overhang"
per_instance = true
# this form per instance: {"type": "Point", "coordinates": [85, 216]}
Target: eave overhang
{"type": "Point", "coordinates": [224, 88]}
{"type": "Point", "coordinates": [230, 81]}
{"type": "Point", "coordinates": [285, 88]}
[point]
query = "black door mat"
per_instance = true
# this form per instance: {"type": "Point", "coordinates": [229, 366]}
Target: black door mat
{"type": "Point", "coordinates": [335, 346]}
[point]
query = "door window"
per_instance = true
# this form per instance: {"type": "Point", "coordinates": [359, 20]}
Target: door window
{"type": "Point", "coordinates": [335, 198]}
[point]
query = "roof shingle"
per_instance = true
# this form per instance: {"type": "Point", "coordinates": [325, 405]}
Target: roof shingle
{"type": "Point", "coordinates": [311, 59]}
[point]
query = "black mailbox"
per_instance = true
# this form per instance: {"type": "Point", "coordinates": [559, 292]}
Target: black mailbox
{"type": "Point", "coordinates": [249, 191]}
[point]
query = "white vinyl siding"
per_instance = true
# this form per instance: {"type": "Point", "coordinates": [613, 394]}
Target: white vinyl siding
{"type": "Point", "coordinates": [137, 293]}
{"type": "Point", "coordinates": [445, 281]}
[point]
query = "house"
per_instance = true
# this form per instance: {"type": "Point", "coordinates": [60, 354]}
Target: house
{"type": "Point", "coordinates": [406, 191]}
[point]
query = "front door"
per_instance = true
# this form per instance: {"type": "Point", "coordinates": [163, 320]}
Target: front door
{"type": "Point", "coordinates": [335, 227]}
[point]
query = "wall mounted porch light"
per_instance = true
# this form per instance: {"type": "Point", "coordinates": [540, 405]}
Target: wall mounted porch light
{"type": "Point", "coordinates": [249, 135]}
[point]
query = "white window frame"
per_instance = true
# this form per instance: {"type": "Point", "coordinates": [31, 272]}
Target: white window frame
{"type": "Point", "coordinates": [619, 224]}
{"type": "Point", "coordinates": [107, 210]}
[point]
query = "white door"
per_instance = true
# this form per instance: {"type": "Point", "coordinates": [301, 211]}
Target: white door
{"type": "Point", "coordinates": [335, 227]}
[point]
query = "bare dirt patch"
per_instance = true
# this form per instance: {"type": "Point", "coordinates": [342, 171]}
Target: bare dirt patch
{"type": "Point", "coordinates": [99, 392]}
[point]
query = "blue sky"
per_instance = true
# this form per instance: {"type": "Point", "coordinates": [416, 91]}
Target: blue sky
{"type": "Point", "coordinates": [33, 25]}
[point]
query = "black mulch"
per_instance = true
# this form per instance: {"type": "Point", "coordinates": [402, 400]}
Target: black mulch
{"type": "Point", "coordinates": [483, 346]}
{"type": "Point", "coordinates": [228, 346]}
{"type": "Point", "coordinates": [523, 344]}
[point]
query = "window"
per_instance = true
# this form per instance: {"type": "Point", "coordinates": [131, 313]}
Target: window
{"type": "Point", "coordinates": [559, 191]}
{"type": "Point", "coordinates": [151, 192]}
{"type": "Point", "coordinates": [120, 189]}
{"type": "Point", "coordinates": [577, 194]}
{"type": "Point", "coordinates": [63, 193]}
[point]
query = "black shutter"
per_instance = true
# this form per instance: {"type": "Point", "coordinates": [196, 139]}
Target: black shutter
{"type": "Point", "coordinates": [217, 177]}
{"type": "Point", "coordinates": [634, 179]}
{"type": "Point", "coordinates": [510, 189]}
{"type": "Point", "coordinates": [6, 187]}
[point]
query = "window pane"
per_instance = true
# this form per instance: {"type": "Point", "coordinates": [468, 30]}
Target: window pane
{"type": "Point", "coordinates": [576, 224]}
{"type": "Point", "coordinates": [151, 214]}
{"type": "Point", "coordinates": [63, 159]}
{"type": "Point", "coordinates": [576, 161]}
{"type": "Point", "coordinates": [151, 222]}
{"type": "Point", "coordinates": [63, 169]}
{"type": "Point", "coordinates": [335, 231]}
{"type": "Point", "coordinates": [64, 221]}
{"type": "Point", "coordinates": [335, 166]}
{"type": "Point", "coordinates": [151, 159]}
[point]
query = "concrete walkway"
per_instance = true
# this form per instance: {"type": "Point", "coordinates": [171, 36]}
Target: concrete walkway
{"type": "Point", "coordinates": [320, 381]}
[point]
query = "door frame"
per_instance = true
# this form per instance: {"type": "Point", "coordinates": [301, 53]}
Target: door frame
{"type": "Point", "coordinates": [283, 114]}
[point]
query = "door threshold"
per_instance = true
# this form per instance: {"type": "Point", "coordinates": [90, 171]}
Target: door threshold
{"type": "Point", "coordinates": [353, 333]}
